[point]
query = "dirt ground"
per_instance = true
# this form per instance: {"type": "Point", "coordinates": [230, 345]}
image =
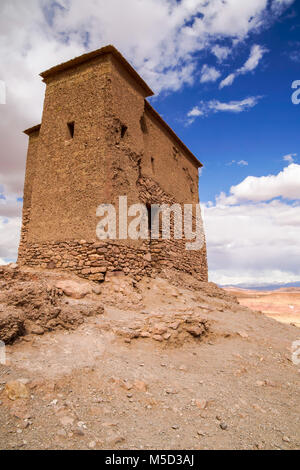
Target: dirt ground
{"type": "Point", "coordinates": [165, 363]}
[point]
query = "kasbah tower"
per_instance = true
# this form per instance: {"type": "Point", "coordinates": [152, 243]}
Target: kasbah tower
{"type": "Point", "coordinates": [100, 139]}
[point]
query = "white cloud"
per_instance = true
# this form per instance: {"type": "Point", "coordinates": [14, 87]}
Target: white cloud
{"type": "Point", "coordinates": [10, 207]}
{"type": "Point", "coordinates": [290, 158]}
{"type": "Point", "coordinates": [215, 106]}
{"type": "Point", "coordinates": [279, 5]}
{"type": "Point", "coordinates": [264, 188]}
{"type": "Point", "coordinates": [162, 43]}
{"type": "Point", "coordinates": [253, 244]}
{"type": "Point", "coordinates": [240, 163]}
{"type": "Point", "coordinates": [295, 56]}
{"type": "Point", "coordinates": [2, 92]}
{"type": "Point", "coordinates": [221, 52]}
{"type": "Point", "coordinates": [257, 242]}
{"type": "Point", "coordinates": [234, 106]}
{"type": "Point", "coordinates": [228, 80]}
{"type": "Point", "coordinates": [256, 54]}
{"type": "Point", "coordinates": [209, 74]}
{"type": "Point", "coordinates": [9, 238]}
{"type": "Point", "coordinates": [195, 112]}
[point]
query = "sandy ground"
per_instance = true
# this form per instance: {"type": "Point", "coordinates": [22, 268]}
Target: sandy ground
{"type": "Point", "coordinates": [168, 364]}
{"type": "Point", "coordinates": [282, 304]}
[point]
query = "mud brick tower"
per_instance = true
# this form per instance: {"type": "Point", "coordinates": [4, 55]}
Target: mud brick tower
{"type": "Point", "coordinates": [100, 139]}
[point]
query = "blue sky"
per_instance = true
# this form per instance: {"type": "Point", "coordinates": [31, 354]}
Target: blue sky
{"type": "Point", "coordinates": [261, 135]}
{"type": "Point", "coordinates": [222, 73]}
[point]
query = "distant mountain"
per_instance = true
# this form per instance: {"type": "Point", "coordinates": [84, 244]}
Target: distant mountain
{"type": "Point", "coordinates": [290, 286]}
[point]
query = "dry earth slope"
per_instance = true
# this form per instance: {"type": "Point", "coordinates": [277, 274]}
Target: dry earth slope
{"type": "Point", "coordinates": [166, 363]}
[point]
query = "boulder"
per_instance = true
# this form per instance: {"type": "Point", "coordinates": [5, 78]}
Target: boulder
{"type": "Point", "coordinates": [11, 326]}
{"type": "Point", "coordinates": [16, 390]}
{"type": "Point", "coordinates": [74, 289]}
{"type": "Point", "coordinates": [33, 328]}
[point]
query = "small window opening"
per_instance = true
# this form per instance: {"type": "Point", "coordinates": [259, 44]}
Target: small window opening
{"type": "Point", "coordinates": [152, 164]}
{"type": "Point", "coordinates": [123, 131]}
{"type": "Point", "coordinates": [71, 128]}
{"type": "Point", "coordinates": [149, 218]}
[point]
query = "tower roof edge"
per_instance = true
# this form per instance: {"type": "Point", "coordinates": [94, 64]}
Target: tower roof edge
{"type": "Point", "coordinates": [92, 55]}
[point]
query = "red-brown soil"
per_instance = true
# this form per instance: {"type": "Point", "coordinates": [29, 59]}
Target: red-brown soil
{"type": "Point", "coordinates": [282, 304]}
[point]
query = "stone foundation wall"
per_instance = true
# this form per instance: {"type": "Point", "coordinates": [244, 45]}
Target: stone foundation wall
{"type": "Point", "coordinates": [93, 260]}
{"type": "Point", "coordinates": [90, 260]}
{"type": "Point", "coordinates": [24, 229]}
